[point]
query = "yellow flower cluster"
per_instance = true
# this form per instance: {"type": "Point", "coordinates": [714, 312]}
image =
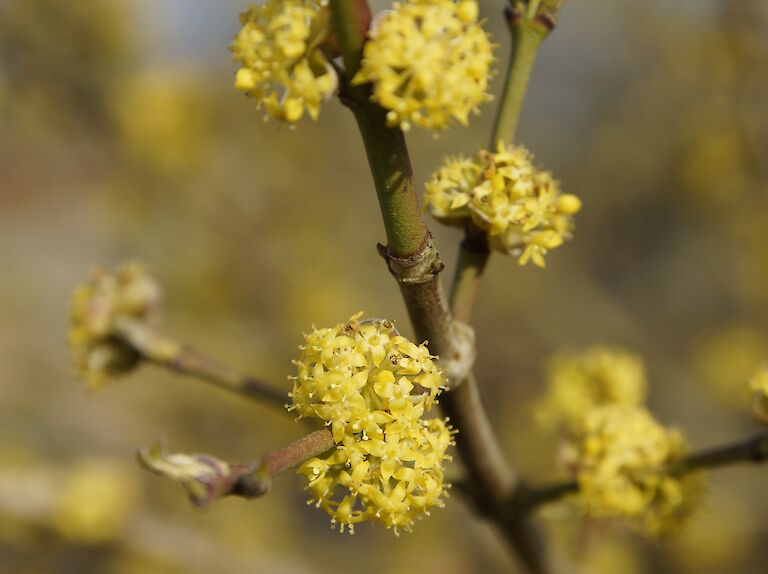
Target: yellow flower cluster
{"type": "Point", "coordinates": [283, 67]}
{"type": "Point", "coordinates": [579, 382]}
{"type": "Point", "coordinates": [618, 455]}
{"type": "Point", "coordinates": [96, 307]}
{"type": "Point", "coordinates": [520, 207]}
{"type": "Point", "coordinates": [758, 387]}
{"type": "Point", "coordinates": [372, 387]}
{"type": "Point", "coordinates": [429, 62]}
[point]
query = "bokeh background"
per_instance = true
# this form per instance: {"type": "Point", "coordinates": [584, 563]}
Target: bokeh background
{"type": "Point", "coordinates": [122, 138]}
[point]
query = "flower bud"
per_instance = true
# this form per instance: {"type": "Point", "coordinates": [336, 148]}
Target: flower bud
{"type": "Point", "coordinates": [96, 308]}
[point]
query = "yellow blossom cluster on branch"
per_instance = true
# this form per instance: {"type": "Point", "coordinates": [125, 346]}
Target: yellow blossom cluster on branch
{"type": "Point", "coordinates": [429, 62]}
{"type": "Point", "coordinates": [579, 382]}
{"type": "Point", "coordinates": [282, 65]}
{"type": "Point", "coordinates": [620, 455]}
{"type": "Point", "coordinates": [128, 293]}
{"type": "Point", "coordinates": [372, 387]}
{"type": "Point", "coordinates": [521, 208]}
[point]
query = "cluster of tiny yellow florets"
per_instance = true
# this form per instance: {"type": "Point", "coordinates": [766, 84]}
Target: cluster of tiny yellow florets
{"type": "Point", "coordinates": [520, 207]}
{"type": "Point", "coordinates": [579, 382]}
{"type": "Point", "coordinates": [372, 387]}
{"type": "Point", "coordinates": [429, 62]}
{"type": "Point", "coordinates": [283, 67]}
{"type": "Point", "coordinates": [620, 456]}
{"type": "Point", "coordinates": [97, 306]}
{"type": "Point", "coordinates": [758, 387]}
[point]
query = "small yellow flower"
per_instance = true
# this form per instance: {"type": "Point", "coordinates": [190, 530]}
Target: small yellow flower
{"type": "Point", "coordinates": [372, 387]}
{"type": "Point", "coordinates": [521, 208]}
{"type": "Point", "coordinates": [578, 382]}
{"type": "Point", "coordinates": [96, 307]}
{"type": "Point", "coordinates": [758, 387]}
{"type": "Point", "coordinates": [283, 67]}
{"type": "Point", "coordinates": [429, 62]}
{"type": "Point", "coordinates": [451, 188]}
{"type": "Point", "coordinates": [618, 455]}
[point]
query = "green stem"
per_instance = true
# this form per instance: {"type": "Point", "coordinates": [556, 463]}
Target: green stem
{"type": "Point", "coordinates": [527, 35]}
{"type": "Point", "coordinates": [414, 262]}
{"type": "Point", "coordinates": [533, 8]}
{"type": "Point", "coordinates": [490, 471]}
{"type": "Point", "coordinates": [470, 265]}
{"type": "Point", "coordinates": [390, 166]}
{"type": "Point", "coordinates": [385, 147]}
{"type": "Point", "coordinates": [350, 21]}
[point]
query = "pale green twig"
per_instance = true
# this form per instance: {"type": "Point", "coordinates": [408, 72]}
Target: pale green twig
{"type": "Point", "coordinates": [527, 33]}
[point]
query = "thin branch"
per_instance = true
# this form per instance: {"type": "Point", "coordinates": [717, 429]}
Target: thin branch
{"type": "Point", "coordinates": [207, 478]}
{"type": "Point", "coordinates": [751, 451]}
{"type": "Point", "coordinates": [527, 497]}
{"type": "Point", "coordinates": [527, 34]}
{"type": "Point", "coordinates": [533, 8]}
{"type": "Point", "coordinates": [470, 265]}
{"type": "Point", "coordinates": [414, 262]}
{"type": "Point", "coordinates": [165, 352]}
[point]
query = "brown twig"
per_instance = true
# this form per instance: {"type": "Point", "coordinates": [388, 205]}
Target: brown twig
{"type": "Point", "coordinates": [207, 478]}
{"type": "Point", "coordinates": [165, 352]}
{"type": "Point", "coordinates": [753, 450]}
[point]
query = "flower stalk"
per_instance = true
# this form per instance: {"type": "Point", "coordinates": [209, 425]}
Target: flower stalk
{"type": "Point", "coordinates": [527, 34]}
{"type": "Point", "coordinates": [165, 352]}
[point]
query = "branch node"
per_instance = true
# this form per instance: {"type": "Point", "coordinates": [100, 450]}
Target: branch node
{"type": "Point", "coordinates": [254, 482]}
{"type": "Point", "coordinates": [548, 20]}
{"type": "Point", "coordinates": [512, 15]}
{"type": "Point", "coordinates": [458, 367]}
{"type": "Point", "coordinates": [421, 267]}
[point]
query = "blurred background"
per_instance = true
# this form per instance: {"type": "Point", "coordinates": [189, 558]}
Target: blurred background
{"type": "Point", "coordinates": [121, 137]}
